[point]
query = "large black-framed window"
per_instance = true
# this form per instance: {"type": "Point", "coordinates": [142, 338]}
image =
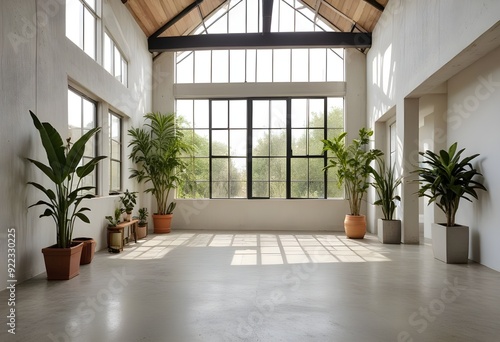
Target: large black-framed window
{"type": "Point", "coordinates": [261, 147]}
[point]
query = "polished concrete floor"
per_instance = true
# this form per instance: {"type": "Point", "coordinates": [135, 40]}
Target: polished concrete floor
{"type": "Point", "coordinates": [262, 286]}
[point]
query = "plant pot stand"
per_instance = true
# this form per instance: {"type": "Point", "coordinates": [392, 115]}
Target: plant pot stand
{"type": "Point", "coordinates": [389, 231]}
{"type": "Point", "coordinates": [450, 244]}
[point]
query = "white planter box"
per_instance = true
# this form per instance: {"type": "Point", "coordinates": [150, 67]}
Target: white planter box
{"type": "Point", "coordinates": [450, 244]}
{"type": "Point", "coordinates": [389, 231]}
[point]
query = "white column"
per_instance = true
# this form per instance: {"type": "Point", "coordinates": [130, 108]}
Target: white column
{"type": "Point", "coordinates": [407, 159]}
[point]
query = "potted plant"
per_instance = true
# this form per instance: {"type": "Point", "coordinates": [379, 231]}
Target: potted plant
{"type": "Point", "coordinates": [351, 163]}
{"type": "Point", "coordinates": [157, 150]}
{"type": "Point", "coordinates": [385, 182]}
{"type": "Point", "coordinates": [64, 198]}
{"type": "Point", "coordinates": [142, 226]}
{"type": "Point", "coordinates": [115, 219]}
{"type": "Point", "coordinates": [128, 201]}
{"type": "Point", "coordinates": [445, 179]}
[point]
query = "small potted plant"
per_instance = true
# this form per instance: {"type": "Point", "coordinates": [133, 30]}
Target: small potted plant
{"type": "Point", "coordinates": [445, 179]}
{"type": "Point", "coordinates": [385, 182]}
{"type": "Point", "coordinates": [351, 163]}
{"type": "Point", "coordinates": [128, 201]}
{"type": "Point", "coordinates": [142, 226]}
{"type": "Point", "coordinates": [115, 219]}
{"type": "Point", "coordinates": [64, 198]}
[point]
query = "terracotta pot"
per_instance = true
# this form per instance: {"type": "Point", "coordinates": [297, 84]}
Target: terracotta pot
{"type": "Point", "coordinates": [355, 226]}
{"type": "Point", "coordinates": [141, 231]}
{"type": "Point", "coordinates": [88, 249]}
{"type": "Point", "coordinates": [162, 223]}
{"type": "Point", "coordinates": [62, 263]}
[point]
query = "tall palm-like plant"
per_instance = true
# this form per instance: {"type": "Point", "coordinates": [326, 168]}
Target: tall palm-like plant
{"type": "Point", "coordinates": [446, 179]}
{"type": "Point", "coordinates": [352, 165]}
{"type": "Point", "coordinates": [385, 182]}
{"type": "Point", "coordinates": [157, 149]}
{"type": "Point", "coordinates": [64, 200]}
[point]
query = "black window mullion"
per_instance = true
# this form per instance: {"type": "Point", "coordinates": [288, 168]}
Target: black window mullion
{"type": "Point", "coordinates": [325, 136]}
{"type": "Point", "coordinates": [209, 148]}
{"type": "Point", "coordinates": [249, 148]}
{"type": "Point", "coordinates": [288, 147]}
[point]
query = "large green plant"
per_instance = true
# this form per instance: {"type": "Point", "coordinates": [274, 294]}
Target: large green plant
{"type": "Point", "coordinates": [66, 196]}
{"type": "Point", "coordinates": [158, 150]}
{"type": "Point", "coordinates": [352, 165]}
{"type": "Point", "coordinates": [385, 182]}
{"type": "Point", "coordinates": [445, 178]}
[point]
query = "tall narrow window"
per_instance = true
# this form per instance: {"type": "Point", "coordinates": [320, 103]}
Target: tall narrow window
{"type": "Point", "coordinates": [115, 152]}
{"type": "Point", "coordinates": [82, 118]}
{"type": "Point", "coordinates": [392, 144]}
{"type": "Point", "coordinates": [113, 60]}
{"type": "Point", "coordinates": [81, 24]}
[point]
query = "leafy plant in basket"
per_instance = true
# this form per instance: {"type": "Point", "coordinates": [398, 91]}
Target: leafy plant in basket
{"type": "Point", "coordinates": [63, 169]}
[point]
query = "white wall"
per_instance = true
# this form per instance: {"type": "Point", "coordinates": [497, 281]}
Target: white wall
{"type": "Point", "coordinates": [272, 214]}
{"type": "Point", "coordinates": [474, 96]}
{"type": "Point", "coordinates": [37, 63]}
{"type": "Point", "coordinates": [417, 47]}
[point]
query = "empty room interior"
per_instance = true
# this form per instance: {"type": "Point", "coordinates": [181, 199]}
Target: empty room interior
{"type": "Point", "coordinates": [250, 170]}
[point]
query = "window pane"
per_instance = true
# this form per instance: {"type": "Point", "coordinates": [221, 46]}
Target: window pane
{"type": "Point", "coordinates": [264, 65]}
{"type": "Point", "coordinates": [201, 113]}
{"type": "Point", "coordinates": [260, 117]}
{"type": "Point", "coordinates": [260, 169]}
{"type": "Point", "coordinates": [202, 64]}
{"type": "Point", "coordinates": [91, 4]}
{"type": "Point", "coordinates": [300, 63]}
{"type": "Point", "coordinates": [299, 113]}
{"type": "Point", "coordinates": [278, 142]}
{"type": "Point", "coordinates": [219, 114]}
{"type": "Point", "coordinates": [220, 170]}
{"type": "Point", "coordinates": [220, 143]}
{"type": "Point", "coordinates": [278, 189]}
{"type": "Point", "coordinates": [252, 16]}
{"type": "Point", "coordinates": [89, 111]}
{"type": "Point", "coordinates": [237, 114]}
{"type": "Point", "coordinates": [281, 65]}
{"type": "Point", "coordinates": [260, 189]}
{"type": "Point", "coordinates": [115, 179]}
{"type": "Point", "coordinates": [238, 142]}
{"type": "Point", "coordinates": [115, 150]}
{"type": "Point", "coordinates": [220, 66]}
{"type": "Point", "coordinates": [117, 64]}
{"type": "Point", "coordinates": [260, 142]}
{"type": "Point", "coordinates": [335, 107]}
{"type": "Point", "coordinates": [74, 110]}
{"type": "Point", "coordinates": [251, 65]}
{"type": "Point", "coordinates": [107, 54]}
{"type": "Point", "coordinates": [184, 111]}
{"type": "Point", "coordinates": [317, 64]}
{"type": "Point", "coordinates": [335, 65]}
{"type": "Point", "coordinates": [200, 138]}
{"type": "Point", "coordinates": [299, 142]}
{"type": "Point", "coordinates": [237, 18]}
{"type": "Point", "coordinates": [185, 67]}
{"type": "Point", "coordinates": [89, 33]}
{"type": "Point", "coordinates": [315, 143]}
{"type": "Point", "coordinates": [237, 66]}
{"type": "Point", "coordinates": [316, 113]}
{"type": "Point", "coordinates": [286, 22]}
{"type": "Point", "coordinates": [74, 22]}
{"type": "Point", "coordinates": [278, 114]}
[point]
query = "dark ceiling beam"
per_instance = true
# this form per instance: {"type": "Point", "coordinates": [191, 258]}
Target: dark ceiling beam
{"type": "Point", "coordinates": [267, 15]}
{"type": "Point", "coordinates": [375, 4]}
{"type": "Point", "coordinates": [175, 19]}
{"type": "Point", "coordinates": [359, 40]}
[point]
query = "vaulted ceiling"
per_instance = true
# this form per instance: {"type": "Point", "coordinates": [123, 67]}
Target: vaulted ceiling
{"type": "Point", "coordinates": [176, 18]}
